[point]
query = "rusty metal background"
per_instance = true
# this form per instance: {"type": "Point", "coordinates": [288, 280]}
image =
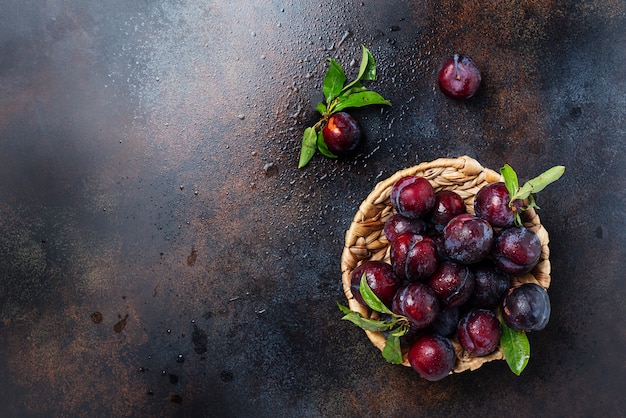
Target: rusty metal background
{"type": "Point", "coordinates": [161, 254]}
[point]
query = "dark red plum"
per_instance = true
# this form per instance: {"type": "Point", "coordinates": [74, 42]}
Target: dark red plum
{"type": "Point", "coordinates": [453, 283]}
{"type": "Point", "coordinates": [412, 197]}
{"type": "Point", "coordinates": [492, 204]}
{"type": "Point", "coordinates": [432, 356]}
{"type": "Point", "coordinates": [446, 322]}
{"type": "Point", "coordinates": [516, 250]}
{"type": "Point", "coordinates": [380, 278]}
{"type": "Point", "coordinates": [398, 225]}
{"type": "Point", "coordinates": [479, 332]}
{"type": "Point", "coordinates": [413, 256]}
{"type": "Point", "coordinates": [448, 204]}
{"type": "Point", "coordinates": [467, 239]}
{"type": "Point", "coordinates": [459, 77]}
{"type": "Point", "coordinates": [418, 303]}
{"type": "Point", "coordinates": [342, 134]}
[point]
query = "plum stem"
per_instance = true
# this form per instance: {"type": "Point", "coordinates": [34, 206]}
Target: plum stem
{"type": "Point", "coordinates": [456, 67]}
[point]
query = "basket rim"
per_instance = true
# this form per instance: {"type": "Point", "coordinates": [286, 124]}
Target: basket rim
{"type": "Point", "coordinates": [364, 240]}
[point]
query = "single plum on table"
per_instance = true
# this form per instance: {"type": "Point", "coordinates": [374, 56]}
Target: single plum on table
{"type": "Point", "coordinates": [459, 77]}
{"type": "Point", "coordinates": [342, 134]}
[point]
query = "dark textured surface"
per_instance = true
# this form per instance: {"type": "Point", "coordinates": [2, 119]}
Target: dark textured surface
{"type": "Point", "coordinates": [161, 255]}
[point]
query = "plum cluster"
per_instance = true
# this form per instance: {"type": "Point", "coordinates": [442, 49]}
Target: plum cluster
{"type": "Point", "coordinates": [450, 272]}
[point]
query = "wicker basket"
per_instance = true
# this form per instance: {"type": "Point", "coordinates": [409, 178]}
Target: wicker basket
{"type": "Point", "coordinates": [365, 239]}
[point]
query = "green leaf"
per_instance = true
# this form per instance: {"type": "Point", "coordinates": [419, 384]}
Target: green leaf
{"type": "Point", "coordinates": [321, 107]}
{"type": "Point", "coordinates": [516, 348]}
{"type": "Point", "coordinates": [321, 146]}
{"type": "Point", "coordinates": [365, 323]}
{"type": "Point", "coordinates": [370, 298]}
{"type": "Point", "coordinates": [540, 182]}
{"type": "Point", "coordinates": [510, 179]}
{"type": "Point", "coordinates": [309, 146]}
{"type": "Point", "coordinates": [367, 70]}
{"type": "Point", "coordinates": [355, 88]}
{"type": "Point", "coordinates": [333, 81]}
{"type": "Point", "coordinates": [393, 350]}
{"type": "Point", "coordinates": [361, 99]}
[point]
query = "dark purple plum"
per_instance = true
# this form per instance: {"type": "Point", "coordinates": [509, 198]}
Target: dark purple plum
{"type": "Point", "coordinates": [398, 225]}
{"type": "Point", "coordinates": [453, 283]}
{"type": "Point", "coordinates": [446, 322]}
{"type": "Point", "coordinates": [492, 204]}
{"type": "Point", "coordinates": [412, 196]}
{"type": "Point", "coordinates": [448, 204]}
{"type": "Point", "coordinates": [413, 256]}
{"type": "Point", "coordinates": [380, 278]}
{"type": "Point", "coordinates": [459, 77]}
{"type": "Point", "coordinates": [479, 332]}
{"type": "Point", "coordinates": [421, 260]}
{"type": "Point", "coordinates": [516, 250]}
{"type": "Point", "coordinates": [526, 307]}
{"type": "Point", "coordinates": [438, 240]}
{"type": "Point", "coordinates": [490, 285]}
{"type": "Point", "coordinates": [418, 303]}
{"type": "Point", "coordinates": [432, 356]}
{"type": "Point", "coordinates": [342, 134]}
{"type": "Point", "coordinates": [467, 239]}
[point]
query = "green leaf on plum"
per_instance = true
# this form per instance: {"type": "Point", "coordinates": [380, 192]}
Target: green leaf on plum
{"type": "Point", "coordinates": [333, 81]}
{"type": "Point", "coordinates": [526, 192]}
{"type": "Point", "coordinates": [370, 297]}
{"type": "Point", "coordinates": [397, 325]}
{"type": "Point", "coordinates": [322, 147]}
{"type": "Point", "coordinates": [510, 179]}
{"type": "Point", "coordinates": [360, 99]}
{"type": "Point", "coordinates": [516, 348]}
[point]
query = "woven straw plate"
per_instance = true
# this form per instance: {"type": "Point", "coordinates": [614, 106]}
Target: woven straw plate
{"type": "Point", "coordinates": [365, 239]}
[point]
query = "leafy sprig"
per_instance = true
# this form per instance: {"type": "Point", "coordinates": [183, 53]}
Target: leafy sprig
{"type": "Point", "coordinates": [396, 325]}
{"type": "Point", "coordinates": [515, 347]}
{"type": "Point", "coordinates": [522, 198]}
{"type": "Point", "coordinates": [339, 96]}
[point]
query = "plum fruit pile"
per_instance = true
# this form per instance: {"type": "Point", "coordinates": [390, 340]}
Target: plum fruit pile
{"type": "Point", "coordinates": [449, 273]}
